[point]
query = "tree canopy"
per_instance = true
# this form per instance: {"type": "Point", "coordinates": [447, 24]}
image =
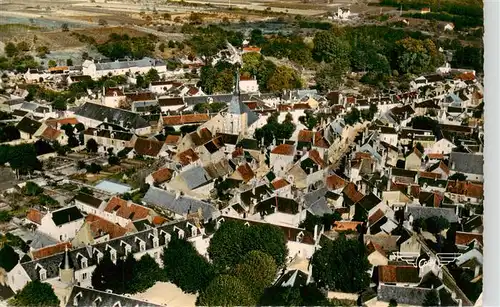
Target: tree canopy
{"type": "Point", "coordinates": [8, 257]}
{"type": "Point", "coordinates": [346, 274]}
{"type": "Point", "coordinates": [35, 293]}
{"type": "Point", "coordinates": [256, 279]}
{"type": "Point", "coordinates": [275, 130]}
{"type": "Point", "coordinates": [185, 267]}
{"type": "Point", "coordinates": [226, 290]}
{"type": "Point", "coordinates": [308, 295]}
{"type": "Point", "coordinates": [233, 240]}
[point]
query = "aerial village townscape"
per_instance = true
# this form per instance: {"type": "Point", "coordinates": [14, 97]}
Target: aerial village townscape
{"type": "Point", "coordinates": [228, 153]}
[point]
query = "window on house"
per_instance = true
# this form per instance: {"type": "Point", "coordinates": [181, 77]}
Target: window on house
{"type": "Point", "coordinates": [43, 275]}
{"type": "Point", "coordinates": [155, 242]}
{"type": "Point", "coordinates": [142, 246]}
{"type": "Point", "coordinates": [113, 255]}
{"type": "Point", "coordinates": [84, 276]}
{"type": "Point", "coordinates": [84, 263]}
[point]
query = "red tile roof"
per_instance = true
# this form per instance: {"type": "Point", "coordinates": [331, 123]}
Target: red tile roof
{"type": "Point", "coordinates": [238, 152]}
{"type": "Point", "coordinates": [314, 155]}
{"type": "Point", "coordinates": [306, 136]}
{"type": "Point", "coordinates": [187, 157]}
{"type": "Point", "coordinates": [279, 183]}
{"type": "Point", "coordinates": [246, 172]}
{"type": "Point", "coordinates": [174, 120]}
{"type": "Point", "coordinates": [375, 217]}
{"type": "Point", "coordinates": [301, 106]}
{"type": "Point", "coordinates": [346, 226]}
{"type": "Point", "coordinates": [395, 274]}
{"type": "Point", "coordinates": [372, 247]}
{"type": "Point", "coordinates": [50, 133]}
{"type": "Point", "coordinates": [284, 149]}
{"type": "Point", "coordinates": [158, 220]}
{"type": "Point", "coordinates": [429, 175]}
{"type": "Point", "coordinates": [251, 49]}
{"type": "Point", "coordinates": [465, 188]}
{"type": "Point", "coordinates": [112, 90]}
{"type": "Point", "coordinates": [100, 227]}
{"type": "Point", "coordinates": [172, 139]}
{"type": "Point", "coordinates": [464, 238]}
{"type": "Point", "coordinates": [162, 175]}
{"type": "Point", "coordinates": [125, 209]}
{"type": "Point", "coordinates": [53, 122]}
{"type": "Point", "coordinates": [50, 250]}
{"type": "Point", "coordinates": [436, 156]}
{"type": "Point", "coordinates": [351, 191]}
{"type": "Point", "coordinates": [35, 216]}
{"type": "Point", "coordinates": [147, 147]}
{"type": "Point", "coordinates": [334, 182]}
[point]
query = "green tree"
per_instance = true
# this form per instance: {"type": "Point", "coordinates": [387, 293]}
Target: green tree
{"type": "Point", "coordinates": [185, 267]}
{"type": "Point", "coordinates": [52, 63]}
{"type": "Point", "coordinates": [145, 273]}
{"type": "Point", "coordinates": [208, 77]}
{"type": "Point", "coordinates": [393, 303]}
{"type": "Point", "coordinates": [251, 62]}
{"type": "Point", "coordinates": [152, 75]}
{"type": "Point", "coordinates": [65, 27]}
{"type": "Point", "coordinates": [69, 62]}
{"type": "Point", "coordinates": [256, 280]}
{"type": "Point", "coordinates": [257, 38]}
{"type": "Point", "coordinates": [94, 168]}
{"type": "Point", "coordinates": [11, 50]}
{"type": "Point", "coordinates": [309, 120]}
{"type": "Point", "coordinates": [92, 146]}
{"type": "Point", "coordinates": [225, 81]}
{"type": "Point", "coordinates": [309, 295]}
{"type": "Point", "coordinates": [431, 299]}
{"type": "Point", "coordinates": [346, 274]}
{"type": "Point", "coordinates": [233, 240]}
{"type": "Point", "coordinates": [330, 76]}
{"type": "Point", "coordinates": [458, 176]}
{"type": "Point", "coordinates": [329, 48]}
{"type": "Point", "coordinates": [106, 274]}
{"type": "Point", "coordinates": [35, 293]}
{"type": "Point", "coordinates": [113, 160]}
{"type": "Point", "coordinates": [5, 216]}
{"type": "Point", "coordinates": [352, 117]}
{"type": "Point", "coordinates": [226, 290]}
{"type": "Point", "coordinates": [196, 18]}
{"type": "Point", "coordinates": [32, 189]}
{"type": "Point", "coordinates": [23, 46]}
{"type": "Point", "coordinates": [283, 78]}
{"type": "Point", "coordinates": [8, 257]}
{"type": "Point", "coordinates": [436, 224]}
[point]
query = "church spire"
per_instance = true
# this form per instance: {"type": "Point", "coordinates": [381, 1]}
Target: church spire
{"type": "Point", "coordinates": [237, 83]}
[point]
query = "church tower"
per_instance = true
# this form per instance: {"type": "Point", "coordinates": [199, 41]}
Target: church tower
{"type": "Point", "coordinates": [66, 269]}
{"type": "Point", "coordinates": [239, 116]}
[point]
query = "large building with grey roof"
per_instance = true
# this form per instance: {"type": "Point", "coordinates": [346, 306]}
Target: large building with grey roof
{"type": "Point", "coordinates": [84, 260]}
{"type": "Point", "coordinates": [99, 69]}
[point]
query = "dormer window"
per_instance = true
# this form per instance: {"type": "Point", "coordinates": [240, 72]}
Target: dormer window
{"type": "Point", "coordinates": [77, 298]}
{"type": "Point", "coordinates": [300, 236]}
{"type": "Point", "coordinates": [156, 242]}
{"type": "Point", "coordinates": [98, 254]}
{"type": "Point", "coordinates": [180, 232]}
{"type": "Point", "coordinates": [97, 302]}
{"type": "Point", "coordinates": [117, 304]}
{"type": "Point", "coordinates": [167, 236]}
{"type": "Point", "coordinates": [83, 260]}
{"type": "Point", "coordinates": [128, 248]}
{"type": "Point", "coordinates": [112, 253]}
{"type": "Point", "coordinates": [142, 244]}
{"type": "Point", "coordinates": [42, 273]}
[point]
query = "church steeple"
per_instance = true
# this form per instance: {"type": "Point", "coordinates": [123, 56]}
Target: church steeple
{"type": "Point", "coordinates": [66, 268]}
{"type": "Point", "coordinates": [237, 83]}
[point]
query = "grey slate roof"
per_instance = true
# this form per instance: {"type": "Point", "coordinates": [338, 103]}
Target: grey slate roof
{"type": "Point", "coordinates": [90, 297]}
{"type": "Point", "coordinates": [88, 199]}
{"type": "Point", "coordinates": [28, 125]}
{"type": "Point", "coordinates": [403, 295]}
{"type": "Point", "coordinates": [51, 263]}
{"type": "Point", "coordinates": [182, 205]}
{"type": "Point", "coordinates": [112, 115]}
{"type": "Point", "coordinates": [66, 215]}
{"type": "Point", "coordinates": [320, 207]}
{"type": "Point", "coordinates": [145, 62]}
{"type": "Point", "coordinates": [466, 163]}
{"type": "Point", "coordinates": [195, 177]}
{"type": "Point", "coordinates": [426, 212]}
